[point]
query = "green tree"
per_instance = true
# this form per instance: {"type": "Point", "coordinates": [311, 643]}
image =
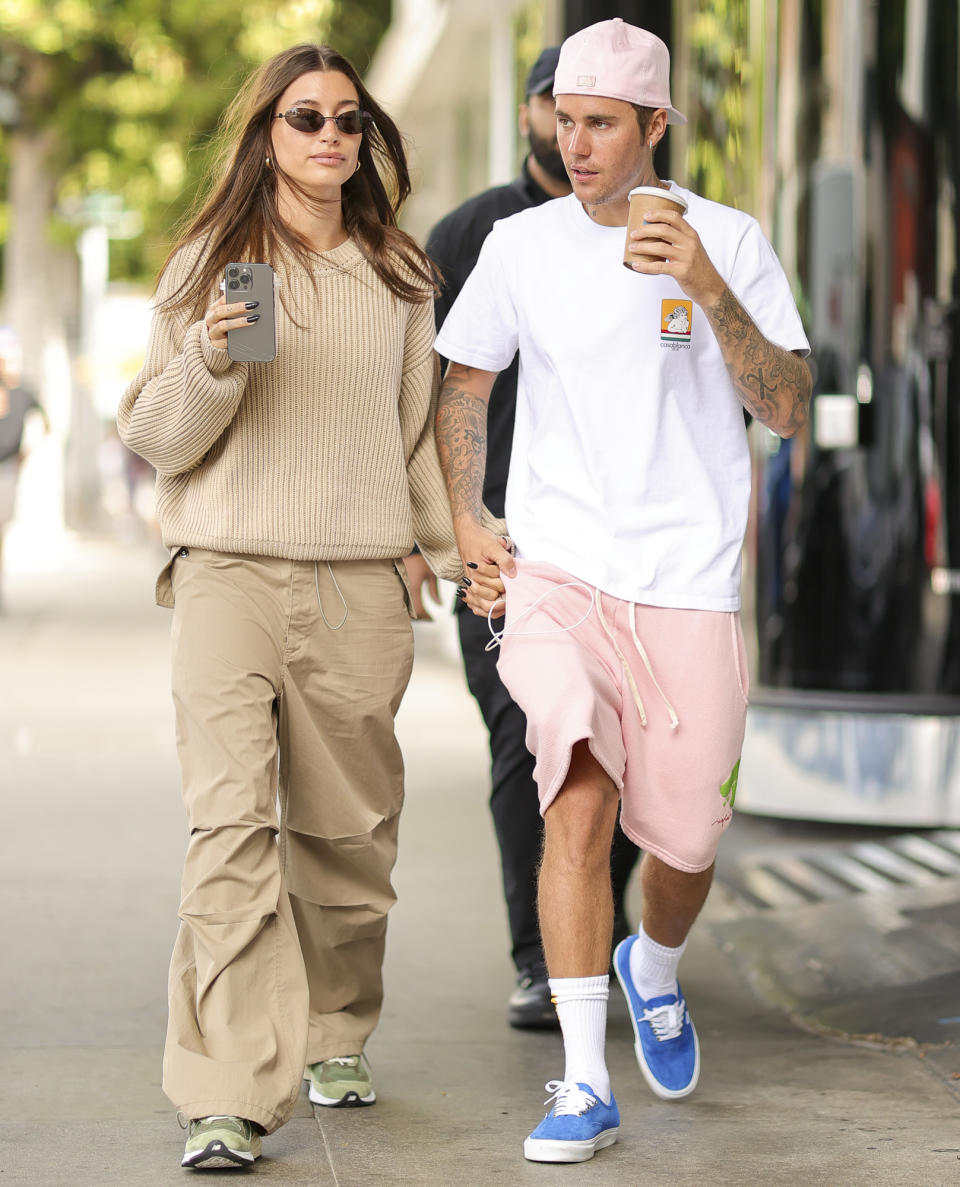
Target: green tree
{"type": "Point", "coordinates": [121, 97]}
{"type": "Point", "coordinates": [722, 80]}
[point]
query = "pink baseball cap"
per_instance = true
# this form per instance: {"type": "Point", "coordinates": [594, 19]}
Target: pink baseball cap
{"type": "Point", "coordinates": [617, 61]}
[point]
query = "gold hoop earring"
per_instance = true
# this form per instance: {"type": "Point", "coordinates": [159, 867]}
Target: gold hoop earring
{"type": "Point", "coordinates": [267, 162]}
{"type": "Point", "coordinates": [357, 170]}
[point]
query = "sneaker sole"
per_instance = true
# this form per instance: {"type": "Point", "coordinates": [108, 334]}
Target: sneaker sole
{"type": "Point", "coordinates": [540, 1150]}
{"type": "Point", "coordinates": [520, 1019]}
{"type": "Point", "coordinates": [350, 1100]}
{"type": "Point", "coordinates": [217, 1156]}
{"type": "Point", "coordinates": [653, 1083]}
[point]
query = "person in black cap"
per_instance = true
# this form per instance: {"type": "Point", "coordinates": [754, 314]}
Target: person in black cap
{"type": "Point", "coordinates": [454, 245]}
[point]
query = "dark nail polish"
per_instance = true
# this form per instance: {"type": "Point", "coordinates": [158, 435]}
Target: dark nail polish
{"type": "Point", "coordinates": [251, 304]}
{"type": "Point", "coordinates": [471, 565]}
{"type": "Point", "coordinates": [467, 581]}
{"type": "Point", "coordinates": [253, 317]}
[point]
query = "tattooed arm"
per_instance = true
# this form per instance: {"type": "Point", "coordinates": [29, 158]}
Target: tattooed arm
{"type": "Point", "coordinates": [773, 384]}
{"type": "Point", "coordinates": [461, 431]}
{"type": "Point", "coordinates": [462, 437]}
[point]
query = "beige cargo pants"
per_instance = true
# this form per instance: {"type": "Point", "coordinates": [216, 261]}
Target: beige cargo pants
{"type": "Point", "coordinates": [286, 680]}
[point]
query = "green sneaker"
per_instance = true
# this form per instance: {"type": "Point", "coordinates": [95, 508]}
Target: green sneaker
{"type": "Point", "coordinates": [221, 1142]}
{"type": "Point", "coordinates": [343, 1082]}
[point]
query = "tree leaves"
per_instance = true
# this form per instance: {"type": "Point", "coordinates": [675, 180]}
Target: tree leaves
{"type": "Point", "coordinates": [133, 89]}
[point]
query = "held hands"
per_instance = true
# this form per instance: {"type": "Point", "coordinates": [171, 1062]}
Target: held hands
{"type": "Point", "coordinates": [667, 233]}
{"type": "Point", "coordinates": [221, 317]}
{"type": "Point", "coordinates": [484, 556]}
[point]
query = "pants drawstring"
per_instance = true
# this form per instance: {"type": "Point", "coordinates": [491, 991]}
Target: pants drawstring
{"type": "Point", "coordinates": [628, 671]}
{"type": "Point", "coordinates": [674, 719]}
{"type": "Point", "coordinates": [316, 582]}
{"type": "Point", "coordinates": [594, 604]}
{"type": "Point", "coordinates": [496, 637]}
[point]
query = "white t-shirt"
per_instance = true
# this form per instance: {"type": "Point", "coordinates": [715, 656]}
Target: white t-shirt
{"type": "Point", "coordinates": [629, 467]}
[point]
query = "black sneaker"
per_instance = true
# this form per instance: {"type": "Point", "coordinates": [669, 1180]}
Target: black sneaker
{"type": "Point", "coordinates": [621, 929]}
{"type": "Point", "coordinates": [621, 932]}
{"type": "Point", "coordinates": [529, 1007]}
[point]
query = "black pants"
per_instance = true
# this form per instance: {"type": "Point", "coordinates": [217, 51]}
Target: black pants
{"type": "Point", "coordinates": [513, 796]}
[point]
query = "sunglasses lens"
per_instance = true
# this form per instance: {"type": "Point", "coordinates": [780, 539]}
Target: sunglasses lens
{"type": "Point", "coordinates": [351, 122]}
{"type": "Point", "coordinates": [304, 119]}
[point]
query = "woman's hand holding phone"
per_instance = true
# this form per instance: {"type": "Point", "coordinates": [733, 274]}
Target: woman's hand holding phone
{"type": "Point", "coordinates": [221, 317]}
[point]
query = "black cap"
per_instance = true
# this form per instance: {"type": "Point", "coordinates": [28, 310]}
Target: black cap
{"type": "Point", "coordinates": [541, 74]}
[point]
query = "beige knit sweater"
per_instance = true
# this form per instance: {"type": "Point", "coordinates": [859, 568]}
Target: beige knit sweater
{"type": "Point", "coordinates": [326, 453]}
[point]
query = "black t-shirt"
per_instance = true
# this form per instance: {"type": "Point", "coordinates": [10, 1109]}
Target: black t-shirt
{"type": "Point", "coordinates": [454, 245]}
{"type": "Point", "coordinates": [20, 402]}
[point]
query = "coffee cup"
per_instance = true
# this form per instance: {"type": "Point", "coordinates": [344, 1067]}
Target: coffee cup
{"type": "Point", "coordinates": [648, 199]}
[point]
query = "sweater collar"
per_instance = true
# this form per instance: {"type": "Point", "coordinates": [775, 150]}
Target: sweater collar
{"type": "Point", "coordinates": [344, 258]}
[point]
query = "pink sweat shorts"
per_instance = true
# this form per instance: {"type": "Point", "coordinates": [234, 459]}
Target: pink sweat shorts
{"type": "Point", "coordinates": [659, 695]}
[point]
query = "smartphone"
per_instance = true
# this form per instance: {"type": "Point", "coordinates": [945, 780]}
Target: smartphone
{"type": "Point", "coordinates": [256, 343]}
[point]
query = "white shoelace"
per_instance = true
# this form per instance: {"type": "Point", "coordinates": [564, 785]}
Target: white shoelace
{"type": "Point", "coordinates": [666, 1022]}
{"type": "Point", "coordinates": [569, 1100]}
{"type": "Point", "coordinates": [344, 1060]}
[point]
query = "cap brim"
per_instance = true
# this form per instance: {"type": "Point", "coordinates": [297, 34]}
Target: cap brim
{"type": "Point", "coordinates": [673, 116]}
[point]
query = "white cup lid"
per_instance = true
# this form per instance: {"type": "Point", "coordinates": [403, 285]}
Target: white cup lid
{"type": "Point", "coordinates": [656, 191]}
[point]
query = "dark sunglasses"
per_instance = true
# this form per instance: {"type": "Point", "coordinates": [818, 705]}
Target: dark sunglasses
{"type": "Point", "coordinates": [308, 119]}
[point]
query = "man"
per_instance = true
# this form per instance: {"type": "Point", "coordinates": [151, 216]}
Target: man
{"type": "Point", "coordinates": [454, 245]}
{"type": "Point", "coordinates": [627, 503]}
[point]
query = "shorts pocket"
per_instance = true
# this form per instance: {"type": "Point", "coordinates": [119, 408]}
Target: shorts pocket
{"type": "Point", "coordinates": [740, 657]}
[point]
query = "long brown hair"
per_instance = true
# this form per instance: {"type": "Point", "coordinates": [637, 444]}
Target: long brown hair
{"type": "Point", "coordinates": [240, 220]}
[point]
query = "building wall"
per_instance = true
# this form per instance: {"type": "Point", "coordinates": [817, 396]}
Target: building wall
{"type": "Point", "coordinates": [448, 71]}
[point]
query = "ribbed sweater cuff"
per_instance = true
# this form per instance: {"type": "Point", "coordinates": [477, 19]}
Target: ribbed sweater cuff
{"type": "Point", "coordinates": [217, 362]}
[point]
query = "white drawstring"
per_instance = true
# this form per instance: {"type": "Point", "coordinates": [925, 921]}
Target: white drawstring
{"type": "Point", "coordinates": [497, 636]}
{"type": "Point", "coordinates": [316, 582]}
{"type": "Point", "coordinates": [674, 719]}
{"type": "Point", "coordinates": [627, 671]}
{"type": "Point", "coordinates": [595, 601]}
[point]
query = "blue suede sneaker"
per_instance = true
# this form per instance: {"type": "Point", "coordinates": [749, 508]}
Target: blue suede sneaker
{"type": "Point", "coordinates": [667, 1048]}
{"type": "Point", "coordinates": [578, 1125]}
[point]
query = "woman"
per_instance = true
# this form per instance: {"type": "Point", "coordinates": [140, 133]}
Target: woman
{"type": "Point", "coordinates": [287, 492]}
{"type": "Point", "coordinates": [16, 405]}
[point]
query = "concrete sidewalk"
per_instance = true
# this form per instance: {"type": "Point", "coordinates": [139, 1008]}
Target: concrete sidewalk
{"type": "Point", "coordinates": [89, 869]}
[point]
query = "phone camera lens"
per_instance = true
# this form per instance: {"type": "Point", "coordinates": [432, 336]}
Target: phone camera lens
{"type": "Point", "coordinates": [234, 272]}
{"type": "Point", "coordinates": [233, 284]}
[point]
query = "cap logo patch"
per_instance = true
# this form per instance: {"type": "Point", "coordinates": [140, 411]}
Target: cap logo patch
{"type": "Point", "coordinates": [586, 80]}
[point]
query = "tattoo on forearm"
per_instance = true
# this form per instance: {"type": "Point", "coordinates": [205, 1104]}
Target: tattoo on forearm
{"type": "Point", "coordinates": [462, 443]}
{"type": "Point", "coordinates": [771, 383]}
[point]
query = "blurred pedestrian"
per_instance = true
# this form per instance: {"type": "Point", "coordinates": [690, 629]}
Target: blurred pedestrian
{"type": "Point", "coordinates": [287, 493]}
{"type": "Point", "coordinates": [454, 245]}
{"type": "Point", "coordinates": [16, 404]}
{"type": "Point", "coordinates": [627, 501]}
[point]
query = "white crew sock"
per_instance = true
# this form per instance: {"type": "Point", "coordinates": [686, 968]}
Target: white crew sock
{"type": "Point", "coordinates": [582, 1009]}
{"type": "Point", "coordinates": [653, 967]}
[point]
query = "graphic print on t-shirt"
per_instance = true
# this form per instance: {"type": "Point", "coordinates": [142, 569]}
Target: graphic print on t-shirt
{"type": "Point", "coordinates": [676, 322]}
